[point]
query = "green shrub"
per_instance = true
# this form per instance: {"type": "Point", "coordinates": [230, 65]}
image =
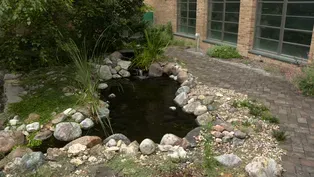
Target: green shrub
{"type": "Point", "coordinates": [223, 51]}
{"type": "Point", "coordinates": [306, 81]}
{"type": "Point", "coordinates": [279, 135]}
{"type": "Point", "coordinates": [157, 39]}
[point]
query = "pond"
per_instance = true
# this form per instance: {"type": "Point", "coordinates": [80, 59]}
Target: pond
{"type": "Point", "coordinates": [141, 110]}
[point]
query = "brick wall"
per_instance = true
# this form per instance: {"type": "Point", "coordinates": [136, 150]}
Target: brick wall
{"type": "Point", "coordinates": [311, 53]}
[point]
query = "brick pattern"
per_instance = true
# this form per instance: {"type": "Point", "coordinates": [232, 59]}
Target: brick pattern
{"type": "Point", "coordinates": [294, 110]}
{"type": "Point", "coordinates": [166, 11]}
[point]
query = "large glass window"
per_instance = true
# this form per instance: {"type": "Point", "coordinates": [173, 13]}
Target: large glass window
{"type": "Point", "coordinates": [187, 16]}
{"type": "Point", "coordinates": [285, 27]}
{"type": "Point", "coordinates": [223, 20]}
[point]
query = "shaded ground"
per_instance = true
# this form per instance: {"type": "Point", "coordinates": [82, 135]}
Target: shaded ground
{"type": "Point", "coordinates": [295, 111]}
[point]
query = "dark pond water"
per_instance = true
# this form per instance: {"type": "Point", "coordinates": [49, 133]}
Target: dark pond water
{"type": "Point", "coordinates": [140, 110]}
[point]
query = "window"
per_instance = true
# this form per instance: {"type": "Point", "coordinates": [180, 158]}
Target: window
{"type": "Point", "coordinates": [187, 16]}
{"type": "Point", "coordinates": [285, 27]}
{"type": "Point", "coordinates": [223, 20]}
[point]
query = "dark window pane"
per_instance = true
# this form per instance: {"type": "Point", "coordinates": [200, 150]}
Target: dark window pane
{"type": "Point", "coordinates": [192, 6]}
{"type": "Point", "coordinates": [191, 30]}
{"type": "Point", "coordinates": [232, 17]}
{"type": "Point", "coordinates": [183, 0]}
{"type": "Point", "coordinates": [217, 7]}
{"type": "Point", "coordinates": [183, 7]}
{"type": "Point", "coordinates": [306, 9]}
{"type": "Point", "coordinates": [231, 27]}
{"type": "Point", "coordinates": [183, 21]}
{"type": "Point", "coordinates": [297, 51]}
{"type": "Point", "coordinates": [217, 16]}
{"type": "Point", "coordinates": [269, 33]}
{"type": "Point", "coordinates": [215, 35]}
{"type": "Point", "coordinates": [298, 37]}
{"type": "Point", "coordinates": [216, 25]}
{"type": "Point", "coordinates": [266, 45]}
{"type": "Point", "coordinates": [271, 8]}
{"type": "Point", "coordinates": [230, 37]}
{"type": "Point", "coordinates": [300, 23]}
{"type": "Point", "coordinates": [232, 7]}
{"type": "Point", "coordinates": [192, 22]}
{"type": "Point", "coordinates": [192, 14]}
{"type": "Point", "coordinates": [192, 1]}
{"type": "Point", "coordinates": [183, 29]}
{"type": "Point", "coordinates": [218, 0]}
{"type": "Point", "coordinates": [268, 20]}
{"type": "Point", "coordinates": [183, 14]}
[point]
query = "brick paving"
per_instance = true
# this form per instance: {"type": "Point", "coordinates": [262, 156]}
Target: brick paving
{"type": "Point", "coordinates": [295, 111]}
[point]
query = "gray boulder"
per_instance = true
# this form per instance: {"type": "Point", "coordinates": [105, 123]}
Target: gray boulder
{"type": "Point", "coordinates": [78, 117]}
{"type": "Point", "coordinates": [124, 64]}
{"type": "Point", "coordinates": [204, 119]}
{"type": "Point", "coordinates": [155, 70]}
{"type": "Point", "coordinates": [32, 160]}
{"type": "Point", "coordinates": [43, 135]}
{"type": "Point", "coordinates": [9, 139]}
{"type": "Point", "coordinates": [117, 137]}
{"type": "Point", "coordinates": [102, 86]}
{"type": "Point", "coordinates": [105, 73]}
{"type": "Point", "coordinates": [124, 73]}
{"type": "Point", "coordinates": [103, 112]}
{"type": "Point", "coordinates": [185, 89]}
{"type": "Point", "coordinates": [192, 135]}
{"type": "Point", "coordinates": [199, 110]}
{"type": "Point", "coordinates": [239, 134]}
{"type": "Point", "coordinates": [170, 139]}
{"type": "Point", "coordinates": [147, 146]}
{"type": "Point", "coordinates": [67, 131]}
{"type": "Point", "coordinates": [131, 149]}
{"type": "Point", "coordinates": [87, 124]}
{"type": "Point", "coordinates": [229, 160]}
{"type": "Point", "coordinates": [263, 167]}
{"type": "Point", "coordinates": [181, 99]}
{"type": "Point", "coordinates": [190, 108]}
{"type": "Point", "coordinates": [182, 76]}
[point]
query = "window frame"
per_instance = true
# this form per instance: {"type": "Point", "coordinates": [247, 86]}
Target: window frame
{"type": "Point", "coordinates": [223, 22]}
{"type": "Point", "coordinates": [282, 28]}
{"type": "Point", "coordinates": [187, 26]}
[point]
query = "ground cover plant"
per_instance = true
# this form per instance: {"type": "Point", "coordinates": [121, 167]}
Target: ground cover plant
{"type": "Point", "coordinates": [223, 51]}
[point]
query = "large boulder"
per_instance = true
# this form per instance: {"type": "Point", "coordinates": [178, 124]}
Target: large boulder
{"type": "Point", "coordinates": [229, 160]}
{"type": "Point", "coordinates": [32, 160]}
{"type": "Point", "coordinates": [147, 146]}
{"type": "Point", "coordinates": [88, 141]}
{"type": "Point", "coordinates": [170, 139]}
{"type": "Point", "coordinates": [9, 139]}
{"type": "Point", "coordinates": [117, 137]}
{"type": "Point", "coordinates": [181, 99]}
{"type": "Point", "coordinates": [263, 167]}
{"type": "Point", "coordinates": [124, 64]}
{"type": "Point", "coordinates": [155, 70]}
{"type": "Point", "coordinates": [67, 131]}
{"type": "Point", "coordinates": [105, 73]}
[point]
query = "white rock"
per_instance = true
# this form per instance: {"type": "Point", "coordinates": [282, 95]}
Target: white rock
{"type": "Point", "coordinates": [76, 148]}
{"type": "Point", "coordinates": [112, 95]}
{"type": "Point", "coordinates": [87, 124]}
{"type": "Point", "coordinates": [69, 111]}
{"type": "Point", "coordinates": [199, 110]}
{"type": "Point", "coordinates": [219, 94]}
{"type": "Point", "coordinates": [263, 167]}
{"type": "Point", "coordinates": [111, 143]}
{"type": "Point", "coordinates": [181, 99]}
{"type": "Point", "coordinates": [131, 149]}
{"type": "Point", "coordinates": [33, 127]}
{"type": "Point", "coordinates": [177, 153]}
{"type": "Point", "coordinates": [164, 148]}
{"type": "Point", "coordinates": [169, 139]}
{"type": "Point", "coordinates": [147, 146]}
{"type": "Point", "coordinates": [124, 73]}
{"type": "Point", "coordinates": [173, 108]}
{"type": "Point", "coordinates": [124, 64]}
{"type": "Point", "coordinates": [191, 107]}
{"type": "Point", "coordinates": [13, 122]}
{"type": "Point", "coordinates": [76, 161]}
{"type": "Point", "coordinates": [21, 127]}
{"type": "Point", "coordinates": [114, 148]}
{"type": "Point", "coordinates": [229, 160]}
{"type": "Point", "coordinates": [185, 89]}
{"type": "Point", "coordinates": [78, 117]}
{"type": "Point", "coordinates": [102, 86]}
{"type": "Point", "coordinates": [92, 159]}
{"type": "Point", "coordinates": [7, 129]}
{"type": "Point", "coordinates": [105, 73]}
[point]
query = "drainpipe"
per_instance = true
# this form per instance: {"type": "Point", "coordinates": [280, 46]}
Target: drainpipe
{"type": "Point", "coordinates": [197, 36]}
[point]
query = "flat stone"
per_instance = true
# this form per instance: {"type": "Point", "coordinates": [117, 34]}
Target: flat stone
{"type": "Point", "coordinates": [181, 99]}
{"type": "Point", "coordinates": [131, 150]}
{"type": "Point", "coordinates": [18, 152]}
{"type": "Point", "coordinates": [191, 107]}
{"type": "Point", "coordinates": [199, 110]}
{"type": "Point", "coordinates": [88, 141]}
{"type": "Point", "coordinates": [76, 148]}
{"type": "Point", "coordinates": [229, 160]}
{"type": "Point", "coordinates": [204, 119]}
{"type": "Point", "coordinates": [102, 86]}
{"type": "Point", "coordinates": [185, 89]}
{"type": "Point", "coordinates": [263, 167]}
{"type": "Point", "coordinates": [33, 160]}
{"type": "Point", "coordinates": [69, 111]}
{"type": "Point", "coordinates": [124, 64]}
{"type": "Point", "coordinates": [192, 136]}
{"type": "Point", "coordinates": [218, 128]}
{"type": "Point", "coordinates": [33, 127]}
{"type": "Point", "coordinates": [43, 135]}
{"type": "Point", "coordinates": [239, 134]}
{"type": "Point", "coordinates": [164, 148]}
{"type": "Point", "coordinates": [124, 73]}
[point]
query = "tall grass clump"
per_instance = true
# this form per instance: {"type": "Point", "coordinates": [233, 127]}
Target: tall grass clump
{"type": "Point", "coordinates": [86, 79]}
{"type": "Point", "coordinates": [306, 80]}
{"type": "Point", "coordinates": [223, 51]}
{"type": "Point", "coordinates": [156, 40]}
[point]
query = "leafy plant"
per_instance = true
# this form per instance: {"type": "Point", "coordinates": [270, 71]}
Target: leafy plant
{"type": "Point", "coordinates": [279, 135]}
{"type": "Point", "coordinates": [157, 39]}
{"type": "Point", "coordinates": [31, 142]}
{"type": "Point", "coordinates": [306, 81]}
{"type": "Point", "coordinates": [223, 51]}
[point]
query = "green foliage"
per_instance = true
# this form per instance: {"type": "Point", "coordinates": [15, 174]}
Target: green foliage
{"type": "Point", "coordinates": [31, 142]}
{"type": "Point", "coordinates": [210, 163]}
{"type": "Point", "coordinates": [279, 135]}
{"type": "Point", "coordinates": [257, 110]}
{"type": "Point", "coordinates": [30, 29]}
{"type": "Point", "coordinates": [306, 81]}
{"type": "Point", "coordinates": [224, 52]}
{"type": "Point", "coordinates": [157, 39]}
{"type": "Point", "coordinates": [182, 43]}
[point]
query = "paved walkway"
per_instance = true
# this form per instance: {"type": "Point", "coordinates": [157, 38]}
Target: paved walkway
{"type": "Point", "coordinates": [296, 112]}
